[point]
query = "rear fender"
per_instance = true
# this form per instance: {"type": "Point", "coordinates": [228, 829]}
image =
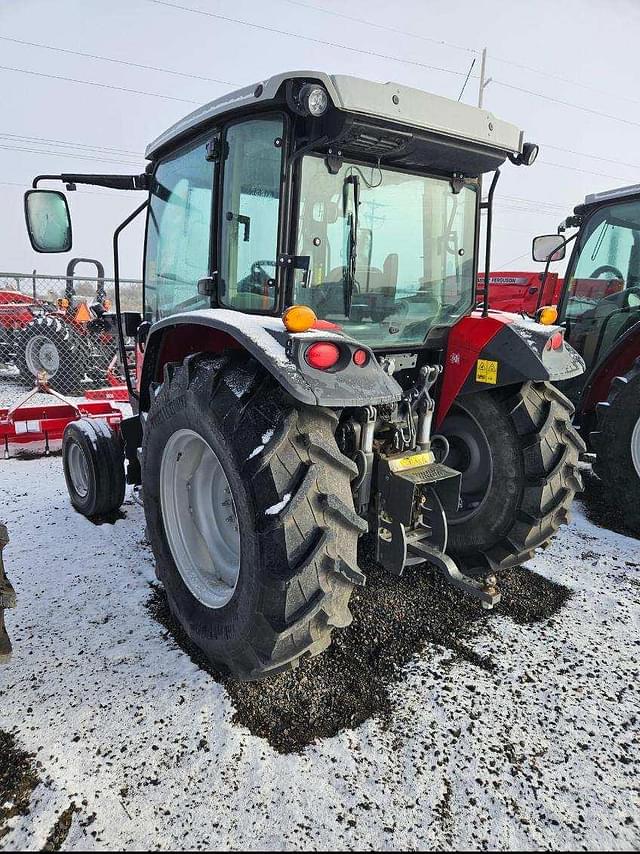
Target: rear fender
{"type": "Point", "coordinates": [500, 350]}
{"type": "Point", "coordinates": [280, 352]}
{"type": "Point", "coordinates": [616, 364]}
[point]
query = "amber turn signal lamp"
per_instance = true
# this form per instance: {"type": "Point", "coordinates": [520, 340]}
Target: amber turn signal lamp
{"type": "Point", "coordinates": [299, 318]}
{"type": "Point", "coordinates": [547, 315]}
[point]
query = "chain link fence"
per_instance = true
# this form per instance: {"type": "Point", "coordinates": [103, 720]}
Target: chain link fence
{"type": "Point", "coordinates": [61, 326]}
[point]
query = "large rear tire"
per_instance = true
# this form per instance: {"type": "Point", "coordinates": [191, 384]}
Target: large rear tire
{"type": "Point", "coordinates": [518, 454]}
{"type": "Point", "coordinates": [617, 445]}
{"type": "Point", "coordinates": [289, 496]}
{"type": "Point", "coordinates": [52, 345]}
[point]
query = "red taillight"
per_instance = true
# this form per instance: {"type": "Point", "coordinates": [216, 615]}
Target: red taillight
{"type": "Point", "coordinates": [322, 355]}
{"type": "Point", "coordinates": [326, 324]}
{"type": "Point", "coordinates": [360, 358]}
{"type": "Point", "coordinates": [555, 342]}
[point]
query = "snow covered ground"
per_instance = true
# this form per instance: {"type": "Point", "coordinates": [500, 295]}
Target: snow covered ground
{"type": "Point", "coordinates": [539, 751]}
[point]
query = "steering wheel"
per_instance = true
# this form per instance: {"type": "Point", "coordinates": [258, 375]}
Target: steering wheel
{"type": "Point", "coordinates": [606, 268]}
{"type": "Point", "coordinates": [258, 280]}
{"type": "Point", "coordinates": [258, 272]}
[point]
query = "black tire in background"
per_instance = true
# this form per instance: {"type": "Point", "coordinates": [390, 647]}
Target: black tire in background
{"type": "Point", "coordinates": [65, 349]}
{"type": "Point", "coordinates": [518, 456]}
{"type": "Point", "coordinates": [291, 490]}
{"type": "Point", "coordinates": [617, 445]}
{"type": "Point", "coordinates": [93, 462]}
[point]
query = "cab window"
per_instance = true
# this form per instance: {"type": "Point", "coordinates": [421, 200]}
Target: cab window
{"type": "Point", "coordinates": [250, 214]}
{"type": "Point", "coordinates": [178, 233]}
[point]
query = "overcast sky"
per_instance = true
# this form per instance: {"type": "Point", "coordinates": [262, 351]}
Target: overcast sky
{"type": "Point", "coordinates": [581, 52]}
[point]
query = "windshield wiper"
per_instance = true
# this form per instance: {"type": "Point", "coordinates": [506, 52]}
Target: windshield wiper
{"type": "Point", "coordinates": [352, 255]}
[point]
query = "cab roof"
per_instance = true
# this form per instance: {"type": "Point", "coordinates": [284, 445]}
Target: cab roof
{"type": "Point", "coordinates": [611, 195]}
{"type": "Point", "coordinates": [398, 104]}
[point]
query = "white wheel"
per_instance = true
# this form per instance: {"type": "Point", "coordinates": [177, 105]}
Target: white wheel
{"type": "Point", "coordinates": [78, 468]}
{"type": "Point", "coordinates": [199, 517]}
{"type": "Point", "coordinates": [41, 354]}
{"type": "Point", "coordinates": [635, 447]}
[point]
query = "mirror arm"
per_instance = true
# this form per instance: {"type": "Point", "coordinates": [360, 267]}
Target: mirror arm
{"type": "Point", "coordinates": [545, 273]}
{"type": "Point", "coordinates": [114, 182]}
{"type": "Point", "coordinates": [116, 290]}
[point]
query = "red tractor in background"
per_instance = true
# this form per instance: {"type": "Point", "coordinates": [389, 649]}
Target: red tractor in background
{"type": "Point", "coordinates": [598, 305]}
{"type": "Point", "coordinates": [72, 340]}
{"type": "Point", "coordinates": [521, 292]}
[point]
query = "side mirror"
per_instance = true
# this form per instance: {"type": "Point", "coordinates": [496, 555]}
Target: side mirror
{"type": "Point", "coordinates": [48, 220]}
{"type": "Point", "coordinates": [548, 247]}
{"type": "Point", "coordinates": [131, 320]}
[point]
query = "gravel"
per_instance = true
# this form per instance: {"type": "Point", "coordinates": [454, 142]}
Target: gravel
{"type": "Point", "coordinates": [458, 728]}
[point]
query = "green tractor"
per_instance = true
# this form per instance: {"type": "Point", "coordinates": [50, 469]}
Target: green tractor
{"type": "Point", "coordinates": [312, 368]}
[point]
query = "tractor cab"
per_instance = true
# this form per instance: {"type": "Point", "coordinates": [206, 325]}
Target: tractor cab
{"type": "Point", "coordinates": [600, 312]}
{"type": "Point", "coordinates": [602, 298]}
{"type": "Point", "coordinates": [600, 302]}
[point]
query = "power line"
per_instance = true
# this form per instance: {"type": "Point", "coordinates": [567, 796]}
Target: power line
{"type": "Point", "coordinates": [555, 100]}
{"type": "Point", "coordinates": [533, 201]}
{"type": "Point", "coordinates": [511, 260]}
{"type": "Point", "coordinates": [301, 37]}
{"type": "Point", "coordinates": [118, 61]}
{"type": "Point", "coordinates": [591, 156]}
{"type": "Point", "coordinates": [584, 171]}
{"type": "Point", "coordinates": [465, 48]}
{"type": "Point", "coordinates": [95, 83]}
{"type": "Point", "coordinates": [562, 79]}
{"type": "Point", "coordinates": [66, 143]}
{"type": "Point", "coordinates": [76, 155]}
{"type": "Point", "coordinates": [380, 26]}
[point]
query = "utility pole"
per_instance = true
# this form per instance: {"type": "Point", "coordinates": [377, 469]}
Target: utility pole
{"type": "Point", "coordinates": [484, 81]}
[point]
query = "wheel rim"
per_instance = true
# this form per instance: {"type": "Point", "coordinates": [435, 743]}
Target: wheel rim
{"type": "Point", "coordinates": [200, 519]}
{"type": "Point", "coordinates": [635, 447]}
{"type": "Point", "coordinates": [470, 454]}
{"type": "Point", "coordinates": [78, 468]}
{"type": "Point", "coordinates": [41, 354]}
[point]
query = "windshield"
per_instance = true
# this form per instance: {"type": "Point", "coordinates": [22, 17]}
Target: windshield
{"type": "Point", "coordinates": [393, 251]}
{"type": "Point", "coordinates": [603, 293]}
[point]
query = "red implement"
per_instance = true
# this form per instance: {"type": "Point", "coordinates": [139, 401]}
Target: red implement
{"type": "Point", "coordinates": [43, 424]}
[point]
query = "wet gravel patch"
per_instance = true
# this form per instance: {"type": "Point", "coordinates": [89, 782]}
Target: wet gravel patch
{"type": "Point", "coordinates": [18, 779]}
{"type": "Point", "coordinates": [60, 830]}
{"type": "Point", "coordinates": [108, 518]}
{"type": "Point", "coordinates": [393, 619]}
{"type": "Point", "coordinates": [598, 508]}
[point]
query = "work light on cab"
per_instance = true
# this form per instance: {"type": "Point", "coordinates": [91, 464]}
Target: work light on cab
{"type": "Point", "coordinates": [322, 355]}
{"type": "Point", "coordinates": [527, 156]}
{"type": "Point", "coordinates": [313, 99]}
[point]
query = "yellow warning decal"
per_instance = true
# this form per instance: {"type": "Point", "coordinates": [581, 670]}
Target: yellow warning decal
{"type": "Point", "coordinates": [412, 462]}
{"type": "Point", "coordinates": [486, 371]}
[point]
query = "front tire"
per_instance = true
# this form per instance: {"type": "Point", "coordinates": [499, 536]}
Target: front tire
{"type": "Point", "coordinates": [291, 496]}
{"type": "Point", "coordinates": [518, 454]}
{"type": "Point", "coordinates": [93, 462]}
{"type": "Point", "coordinates": [617, 445]}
